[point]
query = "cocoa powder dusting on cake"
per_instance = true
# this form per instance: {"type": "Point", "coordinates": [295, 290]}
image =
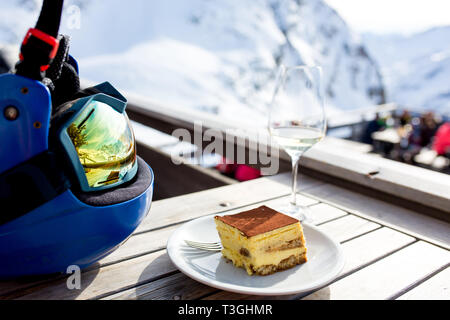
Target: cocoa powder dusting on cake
{"type": "Point", "coordinates": [257, 221]}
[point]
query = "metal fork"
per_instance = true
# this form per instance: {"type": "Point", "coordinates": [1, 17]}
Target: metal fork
{"type": "Point", "coordinates": [208, 246]}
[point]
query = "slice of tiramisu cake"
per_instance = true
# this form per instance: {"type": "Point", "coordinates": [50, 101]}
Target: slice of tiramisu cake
{"type": "Point", "coordinates": [262, 240]}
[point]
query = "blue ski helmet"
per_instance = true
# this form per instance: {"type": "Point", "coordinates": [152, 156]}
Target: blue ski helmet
{"type": "Point", "coordinates": [72, 188]}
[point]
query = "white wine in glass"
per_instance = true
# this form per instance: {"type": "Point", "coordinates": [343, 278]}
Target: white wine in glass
{"type": "Point", "coordinates": [297, 121]}
{"type": "Point", "coordinates": [296, 140]}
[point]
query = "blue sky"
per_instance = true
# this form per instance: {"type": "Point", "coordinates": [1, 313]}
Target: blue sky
{"type": "Point", "coordinates": [393, 16]}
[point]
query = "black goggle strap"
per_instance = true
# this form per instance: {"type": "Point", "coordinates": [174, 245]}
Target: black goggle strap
{"type": "Point", "coordinates": [40, 44]}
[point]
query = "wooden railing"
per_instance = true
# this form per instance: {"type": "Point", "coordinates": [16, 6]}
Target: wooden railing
{"type": "Point", "coordinates": [416, 188]}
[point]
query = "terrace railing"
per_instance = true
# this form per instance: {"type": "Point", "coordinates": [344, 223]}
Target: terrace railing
{"type": "Point", "coordinates": [337, 161]}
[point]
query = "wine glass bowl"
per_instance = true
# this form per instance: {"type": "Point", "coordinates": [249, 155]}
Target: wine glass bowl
{"type": "Point", "coordinates": [297, 120]}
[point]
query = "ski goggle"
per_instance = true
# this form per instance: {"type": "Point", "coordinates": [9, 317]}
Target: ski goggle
{"type": "Point", "coordinates": [99, 142]}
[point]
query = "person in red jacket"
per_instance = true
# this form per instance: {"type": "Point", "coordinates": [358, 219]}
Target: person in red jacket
{"type": "Point", "coordinates": [240, 172]}
{"type": "Point", "coordinates": [441, 142]}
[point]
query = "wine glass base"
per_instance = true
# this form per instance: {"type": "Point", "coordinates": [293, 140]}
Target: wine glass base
{"type": "Point", "coordinates": [299, 212]}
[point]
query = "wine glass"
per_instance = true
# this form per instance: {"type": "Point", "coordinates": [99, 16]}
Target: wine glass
{"type": "Point", "coordinates": [297, 121]}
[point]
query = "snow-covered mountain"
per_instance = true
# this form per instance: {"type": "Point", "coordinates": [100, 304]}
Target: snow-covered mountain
{"type": "Point", "coordinates": [216, 56]}
{"type": "Point", "coordinates": [416, 68]}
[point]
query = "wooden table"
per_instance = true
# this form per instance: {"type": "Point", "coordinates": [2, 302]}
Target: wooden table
{"type": "Point", "coordinates": [391, 252]}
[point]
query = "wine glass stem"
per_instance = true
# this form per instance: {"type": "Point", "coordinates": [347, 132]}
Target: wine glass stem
{"type": "Point", "coordinates": [295, 162]}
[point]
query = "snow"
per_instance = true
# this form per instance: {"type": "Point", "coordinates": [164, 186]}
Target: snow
{"type": "Point", "coordinates": [219, 57]}
{"type": "Point", "coordinates": [416, 68]}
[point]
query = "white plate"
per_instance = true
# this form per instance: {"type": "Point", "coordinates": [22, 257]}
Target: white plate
{"type": "Point", "coordinates": [325, 262]}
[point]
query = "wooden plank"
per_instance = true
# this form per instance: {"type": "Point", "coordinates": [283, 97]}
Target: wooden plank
{"type": "Point", "coordinates": [184, 208]}
{"type": "Point", "coordinates": [174, 287]}
{"type": "Point", "coordinates": [107, 280]}
{"type": "Point", "coordinates": [348, 227]}
{"type": "Point", "coordinates": [371, 247]}
{"type": "Point", "coordinates": [413, 223]}
{"type": "Point", "coordinates": [388, 276]}
{"type": "Point", "coordinates": [140, 244]}
{"type": "Point", "coordinates": [280, 202]}
{"type": "Point", "coordinates": [9, 286]}
{"type": "Point", "coordinates": [435, 288]}
{"type": "Point", "coordinates": [350, 145]}
{"type": "Point", "coordinates": [323, 212]}
{"type": "Point", "coordinates": [135, 246]}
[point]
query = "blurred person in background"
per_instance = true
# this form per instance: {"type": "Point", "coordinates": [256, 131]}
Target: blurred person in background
{"type": "Point", "coordinates": [374, 125]}
{"type": "Point", "coordinates": [428, 128]}
{"type": "Point", "coordinates": [405, 118]}
{"type": "Point", "coordinates": [441, 143]}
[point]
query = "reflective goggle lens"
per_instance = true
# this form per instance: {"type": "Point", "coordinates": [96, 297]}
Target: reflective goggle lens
{"type": "Point", "coordinates": [104, 143]}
